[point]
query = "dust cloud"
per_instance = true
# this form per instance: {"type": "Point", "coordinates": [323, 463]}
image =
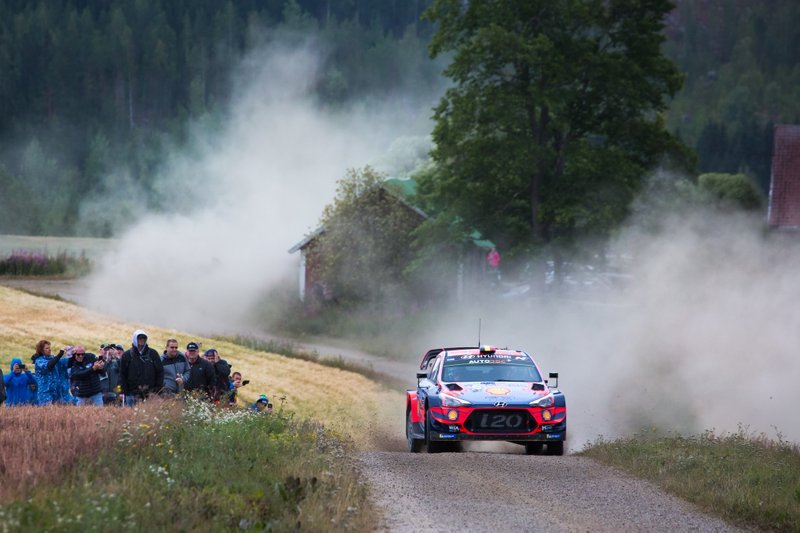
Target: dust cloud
{"type": "Point", "coordinates": [248, 188]}
{"type": "Point", "coordinates": [703, 335]}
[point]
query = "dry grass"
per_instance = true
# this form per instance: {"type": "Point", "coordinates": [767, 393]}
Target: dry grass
{"type": "Point", "coordinates": [349, 404]}
{"type": "Point", "coordinates": [40, 443]}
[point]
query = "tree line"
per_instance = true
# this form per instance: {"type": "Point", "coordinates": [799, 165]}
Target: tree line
{"type": "Point", "coordinates": [88, 84]}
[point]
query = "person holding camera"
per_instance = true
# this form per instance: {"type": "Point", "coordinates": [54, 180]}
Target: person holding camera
{"type": "Point", "coordinates": [223, 372]}
{"type": "Point", "coordinates": [51, 374]}
{"type": "Point", "coordinates": [109, 377]}
{"type": "Point", "coordinates": [141, 372]}
{"type": "Point", "coordinates": [84, 373]}
{"type": "Point", "coordinates": [20, 385]}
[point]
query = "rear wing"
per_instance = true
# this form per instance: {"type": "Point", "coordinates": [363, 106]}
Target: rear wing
{"type": "Point", "coordinates": [431, 354]}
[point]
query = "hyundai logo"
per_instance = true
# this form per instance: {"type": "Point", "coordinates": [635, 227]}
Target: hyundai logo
{"type": "Point", "coordinates": [500, 404]}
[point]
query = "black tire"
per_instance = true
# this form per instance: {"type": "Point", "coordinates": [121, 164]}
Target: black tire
{"type": "Point", "coordinates": [431, 446]}
{"type": "Point", "coordinates": [534, 448]}
{"type": "Point", "coordinates": [414, 445]}
{"type": "Point", "coordinates": [555, 448]}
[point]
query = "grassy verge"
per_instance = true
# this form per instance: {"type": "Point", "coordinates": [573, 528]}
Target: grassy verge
{"type": "Point", "coordinates": [749, 480]}
{"type": "Point", "coordinates": [207, 469]}
{"type": "Point", "coordinates": [291, 350]}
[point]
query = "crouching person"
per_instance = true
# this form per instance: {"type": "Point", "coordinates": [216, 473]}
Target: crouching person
{"type": "Point", "coordinates": [84, 374]}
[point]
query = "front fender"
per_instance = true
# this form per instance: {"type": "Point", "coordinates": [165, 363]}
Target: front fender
{"type": "Point", "coordinates": [413, 406]}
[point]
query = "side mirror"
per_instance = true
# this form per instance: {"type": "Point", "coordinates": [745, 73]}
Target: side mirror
{"type": "Point", "coordinates": [554, 375]}
{"type": "Point", "coordinates": [422, 375]}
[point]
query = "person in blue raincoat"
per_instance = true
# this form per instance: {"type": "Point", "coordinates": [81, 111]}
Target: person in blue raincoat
{"type": "Point", "coordinates": [51, 374]}
{"type": "Point", "coordinates": [20, 385]}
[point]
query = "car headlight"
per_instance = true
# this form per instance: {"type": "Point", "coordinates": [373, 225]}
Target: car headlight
{"type": "Point", "coordinates": [452, 401]}
{"type": "Point", "coordinates": [547, 400]}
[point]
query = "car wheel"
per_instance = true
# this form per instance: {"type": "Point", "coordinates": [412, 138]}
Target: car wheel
{"type": "Point", "coordinates": [430, 446]}
{"type": "Point", "coordinates": [534, 448]}
{"type": "Point", "coordinates": [555, 448]}
{"type": "Point", "coordinates": [414, 445]}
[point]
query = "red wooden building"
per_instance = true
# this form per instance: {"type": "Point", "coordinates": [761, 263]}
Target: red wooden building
{"type": "Point", "coordinates": [784, 190]}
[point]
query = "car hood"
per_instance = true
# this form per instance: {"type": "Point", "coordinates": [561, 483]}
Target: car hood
{"type": "Point", "coordinates": [492, 392]}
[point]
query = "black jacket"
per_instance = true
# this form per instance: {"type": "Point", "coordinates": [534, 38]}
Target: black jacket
{"type": "Point", "coordinates": [201, 376]}
{"type": "Point", "coordinates": [223, 383]}
{"type": "Point", "coordinates": [141, 374]}
{"type": "Point", "coordinates": [84, 380]}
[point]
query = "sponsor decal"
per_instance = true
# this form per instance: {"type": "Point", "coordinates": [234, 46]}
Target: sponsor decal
{"type": "Point", "coordinates": [454, 429]}
{"type": "Point", "coordinates": [446, 436]}
{"type": "Point", "coordinates": [477, 387]}
{"type": "Point", "coordinates": [554, 435]}
{"type": "Point", "coordinates": [498, 391]}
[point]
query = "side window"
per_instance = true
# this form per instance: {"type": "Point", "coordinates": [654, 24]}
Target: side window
{"type": "Point", "coordinates": [434, 369]}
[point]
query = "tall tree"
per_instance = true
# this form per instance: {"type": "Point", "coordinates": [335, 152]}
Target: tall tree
{"type": "Point", "coordinates": [554, 112]}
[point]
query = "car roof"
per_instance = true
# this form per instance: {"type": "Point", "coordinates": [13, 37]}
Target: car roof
{"type": "Point", "coordinates": [466, 350]}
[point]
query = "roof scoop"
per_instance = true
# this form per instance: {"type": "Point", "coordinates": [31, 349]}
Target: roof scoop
{"type": "Point", "coordinates": [538, 386]}
{"type": "Point", "coordinates": [454, 386]}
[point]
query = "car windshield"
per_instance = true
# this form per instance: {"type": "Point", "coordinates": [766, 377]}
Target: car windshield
{"type": "Point", "coordinates": [490, 371]}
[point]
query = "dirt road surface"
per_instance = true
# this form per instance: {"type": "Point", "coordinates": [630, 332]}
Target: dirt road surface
{"type": "Point", "coordinates": [487, 487]}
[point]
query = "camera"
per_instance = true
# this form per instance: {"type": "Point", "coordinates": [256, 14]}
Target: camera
{"type": "Point", "coordinates": [22, 366]}
{"type": "Point", "coordinates": [245, 382]}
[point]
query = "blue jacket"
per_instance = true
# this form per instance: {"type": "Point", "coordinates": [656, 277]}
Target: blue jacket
{"type": "Point", "coordinates": [53, 382]}
{"type": "Point", "coordinates": [20, 387]}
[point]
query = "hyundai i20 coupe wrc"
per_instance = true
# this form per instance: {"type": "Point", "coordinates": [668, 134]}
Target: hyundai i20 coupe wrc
{"type": "Point", "coordinates": [484, 393]}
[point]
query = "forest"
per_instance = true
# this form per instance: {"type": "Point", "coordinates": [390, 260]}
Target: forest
{"type": "Point", "coordinates": [87, 86]}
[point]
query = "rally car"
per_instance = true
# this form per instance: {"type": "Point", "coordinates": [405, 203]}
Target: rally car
{"type": "Point", "coordinates": [484, 393]}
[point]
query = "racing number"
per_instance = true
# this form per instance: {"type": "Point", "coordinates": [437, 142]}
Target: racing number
{"type": "Point", "coordinates": [500, 421]}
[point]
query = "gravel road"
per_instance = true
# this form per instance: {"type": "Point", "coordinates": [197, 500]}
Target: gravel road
{"type": "Point", "coordinates": [490, 486]}
{"type": "Point", "coordinates": [480, 491]}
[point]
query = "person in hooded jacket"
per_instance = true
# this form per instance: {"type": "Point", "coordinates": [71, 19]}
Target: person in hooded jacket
{"type": "Point", "coordinates": [51, 374]}
{"type": "Point", "coordinates": [2, 388]}
{"type": "Point", "coordinates": [141, 372]}
{"type": "Point", "coordinates": [109, 378]}
{"type": "Point", "coordinates": [84, 374]}
{"type": "Point", "coordinates": [20, 385]}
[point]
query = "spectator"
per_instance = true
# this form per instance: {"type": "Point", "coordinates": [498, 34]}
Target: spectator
{"type": "Point", "coordinates": [51, 374]}
{"type": "Point", "coordinates": [175, 366]}
{"type": "Point", "coordinates": [223, 371]}
{"type": "Point", "coordinates": [262, 405]}
{"type": "Point", "coordinates": [141, 372]}
{"type": "Point", "coordinates": [2, 388]}
{"type": "Point", "coordinates": [236, 383]}
{"type": "Point", "coordinates": [109, 377]}
{"type": "Point", "coordinates": [201, 375]}
{"type": "Point", "coordinates": [20, 385]}
{"type": "Point", "coordinates": [84, 374]}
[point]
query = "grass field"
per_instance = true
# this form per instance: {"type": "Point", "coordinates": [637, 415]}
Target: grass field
{"type": "Point", "coordinates": [310, 390]}
{"type": "Point", "coordinates": [224, 470]}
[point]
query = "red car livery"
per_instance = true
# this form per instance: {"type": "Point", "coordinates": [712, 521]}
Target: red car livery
{"type": "Point", "coordinates": [484, 393]}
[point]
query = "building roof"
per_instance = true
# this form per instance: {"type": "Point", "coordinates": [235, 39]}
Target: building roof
{"type": "Point", "coordinates": [405, 191]}
{"type": "Point", "coordinates": [784, 190]}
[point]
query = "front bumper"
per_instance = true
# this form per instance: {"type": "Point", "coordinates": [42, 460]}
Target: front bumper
{"type": "Point", "coordinates": [515, 424]}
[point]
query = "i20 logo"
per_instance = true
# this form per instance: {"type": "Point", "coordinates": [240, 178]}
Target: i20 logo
{"type": "Point", "coordinates": [500, 421]}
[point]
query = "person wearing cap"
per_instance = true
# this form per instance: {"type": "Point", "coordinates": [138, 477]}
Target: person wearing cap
{"type": "Point", "coordinates": [262, 405]}
{"type": "Point", "coordinates": [141, 372]}
{"type": "Point", "coordinates": [84, 374]}
{"type": "Point", "coordinates": [223, 372]}
{"type": "Point", "coordinates": [201, 375]}
{"type": "Point", "coordinates": [175, 366]}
